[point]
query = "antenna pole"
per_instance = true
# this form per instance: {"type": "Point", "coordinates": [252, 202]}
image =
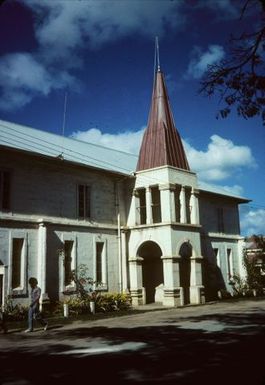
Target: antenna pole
{"type": "Point", "coordinates": [157, 54]}
{"type": "Point", "coordinates": [64, 113]}
{"type": "Point", "coordinates": [155, 61]}
{"type": "Point", "coordinates": [61, 156]}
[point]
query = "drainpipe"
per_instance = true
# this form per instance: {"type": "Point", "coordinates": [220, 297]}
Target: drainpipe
{"type": "Point", "coordinates": [121, 254]}
{"type": "Point", "coordinates": [116, 189]}
{"type": "Point", "coordinates": [119, 251]}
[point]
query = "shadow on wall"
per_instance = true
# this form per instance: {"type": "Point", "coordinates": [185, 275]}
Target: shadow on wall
{"type": "Point", "coordinates": [212, 276]}
{"type": "Point", "coordinates": [185, 252]}
{"type": "Point", "coordinates": [52, 266]}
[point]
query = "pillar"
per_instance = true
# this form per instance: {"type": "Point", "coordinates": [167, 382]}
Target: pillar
{"type": "Point", "coordinates": [173, 293]}
{"type": "Point", "coordinates": [148, 199]}
{"type": "Point", "coordinates": [168, 209]}
{"type": "Point", "coordinates": [124, 262]}
{"type": "Point", "coordinates": [42, 258]}
{"type": "Point", "coordinates": [196, 288]}
{"type": "Point", "coordinates": [194, 215]}
{"type": "Point", "coordinates": [134, 216]}
{"type": "Point", "coordinates": [183, 213]}
{"type": "Point", "coordinates": [136, 280]}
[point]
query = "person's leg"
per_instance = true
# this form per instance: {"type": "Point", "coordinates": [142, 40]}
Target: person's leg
{"type": "Point", "coordinates": [30, 319]}
{"type": "Point", "coordinates": [41, 320]}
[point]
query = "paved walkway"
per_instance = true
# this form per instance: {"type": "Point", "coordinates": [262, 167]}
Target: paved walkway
{"type": "Point", "coordinates": [209, 344]}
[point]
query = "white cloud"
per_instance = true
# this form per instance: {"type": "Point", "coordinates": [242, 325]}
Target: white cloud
{"type": "Point", "coordinates": [221, 160]}
{"type": "Point", "coordinates": [23, 77]}
{"type": "Point", "coordinates": [95, 22]}
{"type": "Point", "coordinates": [64, 28]}
{"type": "Point", "coordinates": [127, 141]}
{"type": "Point", "coordinates": [253, 222]}
{"type": "Point", "coordinates": [200, 60]}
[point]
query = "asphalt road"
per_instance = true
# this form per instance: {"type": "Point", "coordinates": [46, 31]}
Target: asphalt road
{"type": "Point", "coordinates": [210, 344]}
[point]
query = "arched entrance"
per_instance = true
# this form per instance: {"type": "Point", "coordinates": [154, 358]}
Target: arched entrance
{"type": "Point", "coordinates": [184, 270]}
{"type": "Point", "coordinates": [152, 268]}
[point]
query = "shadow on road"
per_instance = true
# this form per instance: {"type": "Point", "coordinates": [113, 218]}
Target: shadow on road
{"type": "Point", "coordinates": [191, 353]}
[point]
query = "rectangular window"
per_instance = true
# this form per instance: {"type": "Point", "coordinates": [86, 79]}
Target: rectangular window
{"type": "Point", "coordinates": [83, 201]}
{"type": "Point", "coordinates": [99, 262]}
{"type": "Point", "coordinates": [229, 263]}
{"type": "Point", "coordinates": [156, 206]}
{"type": "Point", "coordinates": [177, 202]}
{"type": "Point", "coordinates": [68, 248]}
{"type": "Point", "coordinates": [220, 220]}
{"type": "Point", "coordinates": [142, 206]}
{"type": "Point", "coordinates": [4, 190]}
{"type": "Point", "coordinates": [187, 201]}
{"type": "Point", "coordinates": [17, 262]}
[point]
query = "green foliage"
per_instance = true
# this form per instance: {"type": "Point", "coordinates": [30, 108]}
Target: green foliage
{"type": "Point", "coordinates": [239, 79]}
{"type": "Point", "coordinates": [52, 308]}
{"type": "Point", "coordinates": [113, 302]}
{"type": "Point", "coordinates": [78, 305]}
{"type": "Point", "coordinates": [15, 312]}
{"type": "Point", "coordinates": [104, 303]}
{"type": "Point", "coordinates": [255, 280]}
{"type": "Point", "coordinates": [239, 285]}
{"type": "Point", "coordinates": [85, 293]}
{"type": "Point", "coordinates": [83, 282]}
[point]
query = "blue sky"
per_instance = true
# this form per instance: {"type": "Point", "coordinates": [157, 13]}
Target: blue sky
{"type": "Point", "coordinates": [101, 52]}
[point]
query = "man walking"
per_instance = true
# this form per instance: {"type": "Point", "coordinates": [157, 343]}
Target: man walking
{"type": "Point", "coordinates": [34, 311]}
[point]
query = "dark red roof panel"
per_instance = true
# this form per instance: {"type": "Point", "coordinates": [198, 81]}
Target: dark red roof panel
{"type": "Point", "coordinates": [161, 143]}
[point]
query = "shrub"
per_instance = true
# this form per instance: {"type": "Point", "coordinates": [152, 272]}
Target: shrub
{"type": "Point", "coordinates": [78, 305]}
{"type": "Point", "coordinates": [104, 303]}
{"type": "Point", "coordinates": [113, 302]}
{"type": "Point", "coordinates": [14, 312]}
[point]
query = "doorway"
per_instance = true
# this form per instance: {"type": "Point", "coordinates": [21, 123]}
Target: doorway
{"type": "Point", "coordinates": [152, 268]}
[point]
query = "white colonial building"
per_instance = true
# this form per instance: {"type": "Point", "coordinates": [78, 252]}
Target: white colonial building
{"type": "Point", "coordinates": [142, 225]}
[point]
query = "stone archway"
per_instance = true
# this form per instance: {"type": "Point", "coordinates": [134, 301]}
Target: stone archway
{"type": "Point", "coordinates": [185, 253]}
{"type": "Point", "coordinates": [152, 268]}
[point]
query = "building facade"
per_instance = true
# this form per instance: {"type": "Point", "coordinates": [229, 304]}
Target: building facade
{"type": "Point", "coordinates": [142, 224]}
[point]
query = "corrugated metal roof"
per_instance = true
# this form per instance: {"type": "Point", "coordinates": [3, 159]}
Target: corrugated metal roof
{"type": "Point", "coordinates": [45, 143]}
{"type": "Point", "coordinates": [161, 143]}
{"type": "Point", "coordinates": [52, 145]}
{"type": "Point", "coordinates": [204, 187]}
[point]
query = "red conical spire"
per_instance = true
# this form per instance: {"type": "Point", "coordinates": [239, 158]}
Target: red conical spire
{"type": "Point", "coordinates": [161, 143]}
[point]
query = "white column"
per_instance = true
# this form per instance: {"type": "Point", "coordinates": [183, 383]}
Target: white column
{"type": "Point", "coordinates": [173, 293]}
{"type": "Point", "coordinates": [42, 256]}
{"type": "Point", "coordinates": [168, 210]}
{"type": "Point", "coordinates": [133, 217]}
{"type": "Point", "coordinates": [183, 213]}
{"type": "Point", "coordinates": [136, 280]}
{"type": "Point", "coordinates": [124, 262]}
{"type": "Point", "coordinates": [119, 253]}
{"type": "Point", "coordinates": [148, 198]}
{"type": "Point", "coordinates": [194, 215]}
{"type": "Point", "coordinates": [196, 287]}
